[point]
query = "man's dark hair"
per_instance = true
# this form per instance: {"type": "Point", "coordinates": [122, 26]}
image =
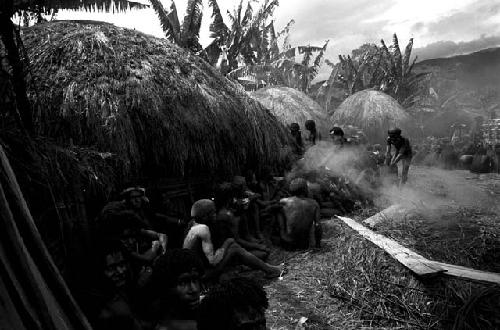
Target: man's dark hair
{"type": "Point", "coordinates": [224, 193]}
{"type": "Point", "coordinates": [106, 247]}
{"type": "Point", "coordinates": [298, 187]}
{"type": "Point", "coordinates": [168, 267]}
{"type": "Point", "coordinates": [337, 131]}
{"type": "Point", "coordinates": [217, 308]}
{"type": "Point", "coordinates": [394, 132]}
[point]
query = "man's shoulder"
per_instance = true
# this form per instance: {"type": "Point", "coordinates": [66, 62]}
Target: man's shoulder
{"type": "Point", "coordinates": [199, 229]}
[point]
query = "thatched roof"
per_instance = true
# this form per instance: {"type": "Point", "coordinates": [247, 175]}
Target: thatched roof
{"type": "Point", "coordinates": [156, 106]}
{"type": "Point", "coordinates": [292, 106]}
{"type": "Point", "coordinates": [372, 111]}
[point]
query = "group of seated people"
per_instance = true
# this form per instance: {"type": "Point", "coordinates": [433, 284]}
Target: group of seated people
{"type": "Point", "coordinates": [150, 279]}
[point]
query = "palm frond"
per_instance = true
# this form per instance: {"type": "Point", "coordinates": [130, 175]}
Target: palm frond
{"type": "Point", "coordinates": [407, 55]}
{"type": "Point", "coordinates": [169, 21]}
{"type": "Point", "coordinates": [218, 29]}
{"type": "Point", "coordinates": [247, 18]}
{"type": "Point", "coordinates": [265, 12]}
{"type": "Point", "coordinates": [45, 6]}
{"type": "Point", "coordinates": [396, 51]}
{"type": "Point", "coordinates": [191, 25]}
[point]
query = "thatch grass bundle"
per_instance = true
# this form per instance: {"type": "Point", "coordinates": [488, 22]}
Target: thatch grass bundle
{"type": "Point", "coordinates": [158, 108]}
{"type": "Point", "coordinates": [372, 111]}
{"type": "Point", "coordinates": [293, 106]}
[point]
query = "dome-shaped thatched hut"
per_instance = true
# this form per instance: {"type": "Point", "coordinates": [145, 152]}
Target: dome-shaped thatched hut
{"type": "Point", "coordinates": [157, 107]}
{"type": "Point", "coordinates": [372, 111]}
{"type": "Point", "coordinates": [292, 106]}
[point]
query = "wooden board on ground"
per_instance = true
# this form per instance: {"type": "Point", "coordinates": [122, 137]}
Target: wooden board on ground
{"type": "Point", "coordinates": [413, 261]}
{"type": "Point", "coordinates": [418, 264]}
{"type": "Point", "coordinates": [468, 273]}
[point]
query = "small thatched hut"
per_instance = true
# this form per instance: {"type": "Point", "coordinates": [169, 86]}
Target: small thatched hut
{"type": "Point", "coordinates": [155, 106]}
{"type": "Point", "coordinates": [292, 106]}
{"type": "Point", "coordinates": [372, 111]}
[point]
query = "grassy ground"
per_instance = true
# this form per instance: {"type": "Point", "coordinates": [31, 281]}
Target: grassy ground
{"type": "Point", "coordinates": [456, 221]}
{"type": "Point", "coordinates": [351, 284]}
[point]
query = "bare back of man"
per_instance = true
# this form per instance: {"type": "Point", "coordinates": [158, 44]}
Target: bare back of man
{"type": "Point", "coordinates": [297, 226]}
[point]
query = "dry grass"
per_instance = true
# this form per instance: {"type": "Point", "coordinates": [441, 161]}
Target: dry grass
{"type": "Point", "coordinates": [351, 284]}
{"type": "Point", "coordinates": [465, 236]}
{"type": "Point", "coordinates": [157, 107]}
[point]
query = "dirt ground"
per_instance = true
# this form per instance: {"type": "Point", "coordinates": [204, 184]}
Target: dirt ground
{"type": "Point", "coordinates": [463, 228]}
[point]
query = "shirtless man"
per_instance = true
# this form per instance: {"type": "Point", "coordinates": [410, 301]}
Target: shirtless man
{"type": "Point", "coordinates": [299, 225]}
{"type": "Point", "coordinates": [199, 239]}
{"type": "Point", "coordinates": [402, 153]}
{"type": "Point", "coordinates": [227, 224]}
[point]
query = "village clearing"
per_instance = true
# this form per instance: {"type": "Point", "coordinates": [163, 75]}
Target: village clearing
{"type": "Point", "coordinates": [350, 283]}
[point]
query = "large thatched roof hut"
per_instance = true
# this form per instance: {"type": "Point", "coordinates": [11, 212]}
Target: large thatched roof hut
{"type": "Point", "coordinates": [372, 111]}
{"type": "Point", "coordinates": [292, 106]}
{"type": "Point", "coordinates": [155, 106]}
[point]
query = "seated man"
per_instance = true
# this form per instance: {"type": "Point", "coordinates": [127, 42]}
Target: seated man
{"type": "Point", "coordinates": [199, 239]}
{"type": "Point", "coordinates": [239, 304]}
{"type": "Point", "coordinates": [245, 207]}
{"type": "Point", "coordinates": [299, 225]}
{"type": "Point", "coordinates": [227, 223]}
{"type": "Point", "coordinates": [176, 279]}
{"type": "Point", "coordinates": [135, 201]}
{"type": "Point", "coordinates": [270, 194]}
{"type": "Point", "coordinates": [113, 304]}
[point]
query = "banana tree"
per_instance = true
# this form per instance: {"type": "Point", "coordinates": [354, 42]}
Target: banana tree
{"type": "Point", "coordinates": [247, 37]}
{"type": "Point", "coordinates": [187, 34]}
{"type": "Point", "coordinates": [399, 79]}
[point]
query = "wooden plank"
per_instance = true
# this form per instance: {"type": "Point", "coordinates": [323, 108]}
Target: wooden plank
{"type": "Point", "coordinates": [468, 273]}
{"type": "Point", "coordinates": [38, 250]}
{"type": "Point", "coordinates": [411, 260]}
{"type": "Point", "coordinates": [418, 264]}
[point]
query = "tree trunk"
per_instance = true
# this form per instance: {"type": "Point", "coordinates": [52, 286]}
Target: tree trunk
{"type": "Point", "coordinates": [7, 32]}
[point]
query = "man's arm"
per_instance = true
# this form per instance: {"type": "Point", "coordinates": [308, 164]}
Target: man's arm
{"type": "Point", "coordinates": [169, 220]}
{"type": "Point", "coordinates": [207, 245]}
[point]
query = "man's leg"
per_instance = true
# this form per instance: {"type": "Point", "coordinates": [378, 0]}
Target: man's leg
{"type": "Point", "coordinates": [253, 212]}
{"type": "Point", "coordinates": [239, 254]}
{"type": "Point", "coordinates": [404, 170]}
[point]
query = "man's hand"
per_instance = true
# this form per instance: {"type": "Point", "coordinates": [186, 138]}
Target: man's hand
{"type": "Point", "coordinates": [163, 242]}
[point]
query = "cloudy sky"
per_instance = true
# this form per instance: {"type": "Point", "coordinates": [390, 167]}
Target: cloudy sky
{"type": "Point", "coordinates": [439, 27]}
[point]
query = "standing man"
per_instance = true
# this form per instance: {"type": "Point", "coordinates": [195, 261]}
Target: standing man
{"type": "Point", "coordinates": [402, 153]}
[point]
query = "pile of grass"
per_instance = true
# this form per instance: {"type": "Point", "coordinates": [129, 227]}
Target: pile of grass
{"type": "Point", "coordinates": [158, 108]}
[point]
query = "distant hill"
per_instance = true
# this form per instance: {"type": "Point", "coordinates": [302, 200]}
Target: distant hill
{"type": "Point", "coordinates": [475, 70]}
{"type": "Point", "coordinates": [466, 86]}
